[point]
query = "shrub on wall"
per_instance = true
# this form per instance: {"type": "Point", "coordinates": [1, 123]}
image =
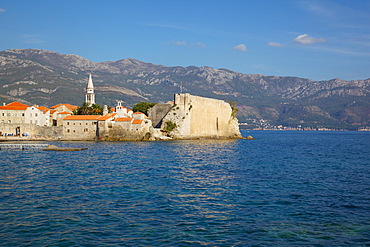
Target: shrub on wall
{"type": "Point", "coordinates": [170, 126]}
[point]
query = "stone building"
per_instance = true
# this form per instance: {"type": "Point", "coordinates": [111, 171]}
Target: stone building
{"type": "Point", "coordinates": [58, 112]}
{"type": "Point", "coordinates": [17, 118]}
{"type": "Point", "coordinates": [80, 127]}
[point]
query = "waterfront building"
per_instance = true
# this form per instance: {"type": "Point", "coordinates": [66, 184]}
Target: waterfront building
{"type": "Point", "coordinates": [80, 126]}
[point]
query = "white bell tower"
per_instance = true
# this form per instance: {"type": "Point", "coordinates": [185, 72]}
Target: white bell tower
{"type": "Point", "coordinates": [90, 95]}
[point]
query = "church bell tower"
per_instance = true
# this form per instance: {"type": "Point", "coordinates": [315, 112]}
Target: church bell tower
{"type": "Point", "coordinates": [90, 95]}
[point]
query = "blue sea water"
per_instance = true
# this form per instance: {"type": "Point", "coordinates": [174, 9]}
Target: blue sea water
{"type": "Point", "coordinates": [285, 188]}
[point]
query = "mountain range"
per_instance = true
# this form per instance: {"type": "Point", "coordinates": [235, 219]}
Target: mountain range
{"type": "Point", "coordinates": [47, 78]}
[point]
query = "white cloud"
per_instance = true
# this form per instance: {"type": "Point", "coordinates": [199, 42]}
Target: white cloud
{"type": "Point", "coordinates": [184, 43]}
{"type": "Point", "coordinates": [274, 44]}
{"type": "Point", "coordinates": [2, 10]}
{"type": "Point", "coordinates": [241, 47]}
{"type": "Point", "coordinates": [200, 44]}
{"type": "Point", "coordinates": [180, 42]}
{"type": "Point", "coordinates": [304, 39]}
{"type": "Point", "coordinates": [174, 42]}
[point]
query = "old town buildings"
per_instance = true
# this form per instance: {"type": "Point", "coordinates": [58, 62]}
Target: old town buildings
{"type": "Point", "coordinates": [17, 119]}
{"type": "Point", "coordinates": [189, 117]}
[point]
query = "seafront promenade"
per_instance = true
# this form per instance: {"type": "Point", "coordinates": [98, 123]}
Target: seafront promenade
{"type": "Point", "coordinates": [23, 145]}
{"type": "Point", "coordinates": [25, 138]}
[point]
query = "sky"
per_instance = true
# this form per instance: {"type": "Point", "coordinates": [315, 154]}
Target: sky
{"type": "Point", "coordinates": [315, 39]}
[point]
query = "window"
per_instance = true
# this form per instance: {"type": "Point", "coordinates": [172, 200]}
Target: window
{"type": "Point", "coordinates": [74, 123]}
{"type": "Point", "coordinates": [68, 130]}
{"type": "Point", "coordinates": [87, 123]}
{"type": "Point", "coordinates": [22, 114]}
{"type": "Point", "coordinates": [35, 114]}
{"type": "Point", "coordinates": [80, 123]}
{"type": "Point", "coordinates": [67, 123]}
{"type": "Point", "coordinates": [8, 114]}
{"type": "Point", "coordinates": [30, 114]}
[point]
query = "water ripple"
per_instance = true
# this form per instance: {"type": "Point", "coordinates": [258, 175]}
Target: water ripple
{"type": "Point", "coordinates": [282, 189]}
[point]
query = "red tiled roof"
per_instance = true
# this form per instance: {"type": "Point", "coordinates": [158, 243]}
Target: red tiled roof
{"type": "Point", "coordinates": [64, 112]}
{"type": "Point", "coordinates": [107, 116]}
{"type": "Point", "coordinates": [42, 108]}
{"type": "Point", "coordinates": [71, 107]}
{"type": "Point", "coordinates": [14, 106]}
{"type": "Point", "coordinates": [137, 121]}
{"type": "Point", "coordinates": [82, 117]}
{"type": "Point", "coordinates": [15, 103]}
{"type": "Point", "coordinates": [123, 119]}
{"type": "Point", "coordinates": [52, 111]}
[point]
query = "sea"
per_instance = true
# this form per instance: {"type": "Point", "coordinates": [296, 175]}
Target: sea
{"type": "Point", "coordinates": [284, 188]}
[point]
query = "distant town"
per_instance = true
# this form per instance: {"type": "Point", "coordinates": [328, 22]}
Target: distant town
{"type": "Point", "coordinates": [262, 124]}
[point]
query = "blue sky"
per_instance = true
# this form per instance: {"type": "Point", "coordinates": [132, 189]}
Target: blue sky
{"type": "Point", "coordinates": [320, 40]}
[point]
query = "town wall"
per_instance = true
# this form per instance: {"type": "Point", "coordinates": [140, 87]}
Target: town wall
{"type": "Point", "coordinates": [50, 132]}
{"type": "Point", "coordinates": [10, 128]}
{"type": "Point", "coordinates": [119, 133]}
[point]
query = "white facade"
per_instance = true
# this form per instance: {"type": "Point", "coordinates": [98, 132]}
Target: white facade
{"type": "Point", "coordinates": [19, 113]}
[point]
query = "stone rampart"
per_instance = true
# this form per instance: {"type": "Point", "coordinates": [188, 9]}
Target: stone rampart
{"type": "Point", "coordinates": [32, 130]}
{"type": "Point", "coordinates": [200, 117]}
{"type": "Point", "coordinates": [118, 133]}
{"type": "Point", "coordinates": [50, 132]}
{"type": "Point", "coordinates": [10, 128]}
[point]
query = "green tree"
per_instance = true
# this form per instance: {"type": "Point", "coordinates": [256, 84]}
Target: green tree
{"type": "Point", "coordinates": [143, 107]}
{"type": "Point", "coordinates": [234, 110]}
{"type": "Point", "coordinates": [96, 110]}
{"type": "Point", "coordinates": [85, 109]}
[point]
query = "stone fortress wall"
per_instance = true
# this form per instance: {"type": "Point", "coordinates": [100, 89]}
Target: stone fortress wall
{"type": "Point", "coordinates": [200, 117]}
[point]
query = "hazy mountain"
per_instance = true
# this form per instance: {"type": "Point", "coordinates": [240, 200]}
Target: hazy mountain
{"type": "Point", "coordinates": [47, 78]}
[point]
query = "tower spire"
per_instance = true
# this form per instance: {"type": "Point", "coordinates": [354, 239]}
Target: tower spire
{"type": "Point", "coordinates": [90, 95]}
